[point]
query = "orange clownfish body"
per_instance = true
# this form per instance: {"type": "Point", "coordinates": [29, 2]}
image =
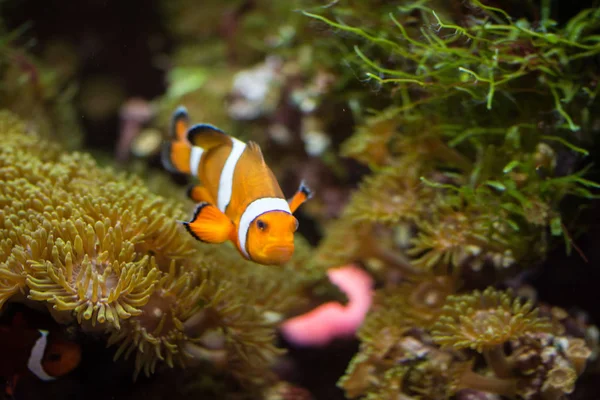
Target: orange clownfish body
{"type": "Point", "coordinates": [239, 199]}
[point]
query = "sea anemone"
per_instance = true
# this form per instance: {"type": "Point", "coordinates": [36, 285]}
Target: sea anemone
{"type": "Point", "coordinates": [92, 271]}
{"type": "Point", "coordinates": [156, 330]}
{"type": "Point", "coordinates": [196, 316]}
{"type": "Point", "coordinates": [13, 262]}
{"type": "Point", "coordinates": [150, 223]}
{"type": "Point", "coordinates": [99, 248]}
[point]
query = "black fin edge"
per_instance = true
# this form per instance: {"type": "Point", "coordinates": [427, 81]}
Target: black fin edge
{"type": "Point", "coordinates": [188, 191]}
{"type": "Point", "coordinates": [198, 209]}
{"type": "Point", "coordinates": [305, 189]}
{"type": "Point", "coordinates": [199, 129]}
{"type": "Point", "coordinates": [187, 228]}
{"type": "Point", "coordinates": [165, 158]}
{"type": "Point", "coordinates": [197, 212]}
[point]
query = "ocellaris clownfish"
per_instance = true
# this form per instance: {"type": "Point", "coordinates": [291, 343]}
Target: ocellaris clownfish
{"type": "Point", "coordinates": [239, 198]}
{"type": "Point", "coordinates": [42, 353]}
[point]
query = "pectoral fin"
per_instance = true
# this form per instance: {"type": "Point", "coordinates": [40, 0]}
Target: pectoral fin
{"type": "Point", "coordinates": [209, 224]}
{"type": "Point", "coordinates": [304, 193]}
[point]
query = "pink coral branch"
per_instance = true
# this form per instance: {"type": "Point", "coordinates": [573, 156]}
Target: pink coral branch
{"type": "Point", "coordinates": [333, 320]}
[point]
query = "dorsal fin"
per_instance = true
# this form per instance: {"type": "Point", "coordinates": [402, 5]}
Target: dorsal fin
{"type": "Point", "coordinates": [255, 148]}
{"type": "Point", "coordinates": [179, 123]}
{"type": "Point", "coordinates": [207, 136]}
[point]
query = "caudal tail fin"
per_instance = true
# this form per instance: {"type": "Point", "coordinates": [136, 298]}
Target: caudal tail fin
{"type": "Point", "coordinates": [176, 153]}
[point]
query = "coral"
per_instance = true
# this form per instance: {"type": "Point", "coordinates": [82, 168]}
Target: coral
{"type": "Point", "coordinates": [544, 366]}
{"type": "Point", "coordinates": [397, 359]}
{"type": "Point", "coordinates": [465, 189]}
{"type": "Point", "coordinates": [483, 320]}
{"type": "Point", "coordinates": [391, 196]}
{"type": "Point", "coordinates": [370, 142]}
{"type": "Point", "coordinates": [99, 251]}
{"type": "Point", "coordinates": [560, 381]}
{"type": "Point", "coordinates": [332, 320]}
{"type": "Point", "coordinates": [348, 241]}
{"type": "Point", "coordinates": [416, 302]}
{"type": "Point", "coordinates": [463, 377]}
{"type": "Point", "coordinates": [468, 125]}
{"type": "Point", "coordinates": [399, 364]}
{"type": "Point", "coordinates": [400, 353]}
{"type": "Point", "coordinates": [455, 233]}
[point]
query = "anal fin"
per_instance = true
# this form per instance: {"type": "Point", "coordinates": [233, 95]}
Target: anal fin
{"type": "Point", "coordinates": [209, 224]}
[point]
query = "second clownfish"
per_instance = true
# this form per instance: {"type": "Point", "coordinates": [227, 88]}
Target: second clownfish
{"type": "Point", "coordinates": [39, 352]}
{"type": "Point", "coordinates": [239, 198]}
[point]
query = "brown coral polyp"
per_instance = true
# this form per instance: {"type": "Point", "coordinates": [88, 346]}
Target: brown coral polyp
{"type": "Point", "coordinates": [388, 197]}
{"type": "Point", "coordinates": [466, 378]}
{"type": "Point", "coordinates": [578, 354]}
{"type": "Point", "coordinates": [559, 381]}
{"type": "Point", "coordinates": [484, 322]}
{"type": "Point", "coordinates": [487, 319]}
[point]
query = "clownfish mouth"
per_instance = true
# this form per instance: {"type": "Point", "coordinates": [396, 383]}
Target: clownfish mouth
{"type": "Point", "coordinates": [279, 254]}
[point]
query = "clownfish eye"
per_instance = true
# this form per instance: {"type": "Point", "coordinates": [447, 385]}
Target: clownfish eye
{"type": "Point", "coordinates": [262, 225]}
{"type": "Point", "coordinates": [54, 357]}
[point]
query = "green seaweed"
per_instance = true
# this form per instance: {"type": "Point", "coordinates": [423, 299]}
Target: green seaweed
{"type": "Point", "coordinates": [480, 108]}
